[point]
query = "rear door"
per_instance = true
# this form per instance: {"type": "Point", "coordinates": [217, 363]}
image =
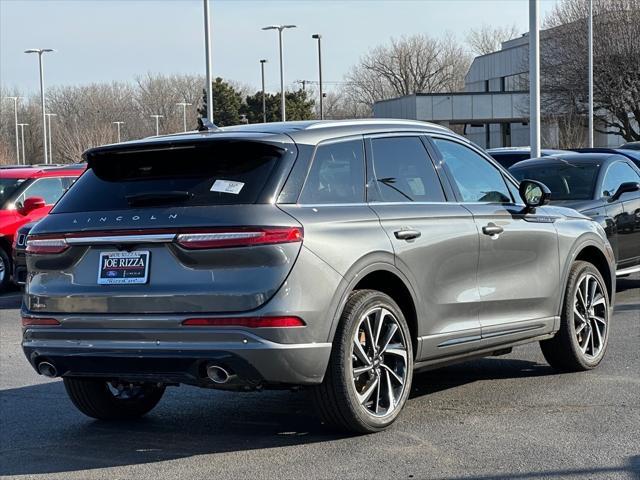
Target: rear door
{"type": "Point", "coordinates": [435, 242]}
{"type": "Point", "coordinates": [518, 270]}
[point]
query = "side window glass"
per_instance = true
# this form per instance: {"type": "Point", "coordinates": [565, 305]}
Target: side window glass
{"type": "Point", "coordinates": [336, 175]}
{"type": "Point", "coordinates": [617, 174]}
{"type": "Point", "coordinates": [476, 178]}
{"type": "Point", "coordinates": [50, 189]}
{"type": "Point", "coordinates": [403, 171]}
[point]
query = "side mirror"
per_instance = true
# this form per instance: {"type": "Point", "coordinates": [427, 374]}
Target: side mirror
{"type": "Point", "coordinates": [534, 194]}
{"type": "Point", "coordinates": [625, 188]}
{"type": "Point", "coordinates": [31, 204]}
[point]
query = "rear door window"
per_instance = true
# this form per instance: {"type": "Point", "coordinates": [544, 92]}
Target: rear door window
{"type": "Point", "coordinates": [336, 175]}
{"type": "Point", "coordinates": [215, 173]}
{"type": "Point", "coordinates": [51, 189]}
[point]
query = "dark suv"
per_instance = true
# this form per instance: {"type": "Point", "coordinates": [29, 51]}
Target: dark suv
{"type": "Point", "coordinates": [338, 256]}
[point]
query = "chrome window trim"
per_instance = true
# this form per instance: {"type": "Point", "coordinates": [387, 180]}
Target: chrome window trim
{"type": "Point", "coordinates": [118, 239]}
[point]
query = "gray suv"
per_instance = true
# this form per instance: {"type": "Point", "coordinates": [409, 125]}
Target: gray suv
{"type": "Point", "coordinates": [337, 256]}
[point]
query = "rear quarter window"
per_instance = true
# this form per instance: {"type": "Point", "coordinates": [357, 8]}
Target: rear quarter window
{"type": "Point", "coordinates": [215, 173]}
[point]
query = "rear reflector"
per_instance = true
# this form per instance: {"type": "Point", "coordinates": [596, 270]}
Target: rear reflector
{"type": "Point", "coordinates": [27, 322]}
{"type": "Point", "coordinates": [46, 245]}
{"type": "Point", "coordinates": [240, 238]}
{"type": "Point", "coordinates": [249, 322]}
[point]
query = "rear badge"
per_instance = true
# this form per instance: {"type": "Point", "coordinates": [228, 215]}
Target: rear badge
{"type": "Point", "coordinates": [123, 268]}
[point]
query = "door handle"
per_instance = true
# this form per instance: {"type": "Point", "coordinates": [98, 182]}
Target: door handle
{"type": "Point", "coordinates": [492, 229]}
{"type": "Point", "coordinates": [407, 234]}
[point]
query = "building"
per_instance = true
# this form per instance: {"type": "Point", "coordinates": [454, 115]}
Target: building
{"type": "Point", "coordinates": [493, 109]}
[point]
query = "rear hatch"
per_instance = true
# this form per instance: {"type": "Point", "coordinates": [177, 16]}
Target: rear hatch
{"type": "Point", "coordinates": [175, 227]}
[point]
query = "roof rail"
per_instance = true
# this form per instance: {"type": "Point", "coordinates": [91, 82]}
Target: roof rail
{"type": "Point", "coordinates": [372, 121]}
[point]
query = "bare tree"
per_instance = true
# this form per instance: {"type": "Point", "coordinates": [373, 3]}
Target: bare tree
{"type": "Point", "coordinates": [616, 63]}
{"type": "Point", "coordinates": [415, 64]}
{"type": "Point", "coordinates": [488, 39]}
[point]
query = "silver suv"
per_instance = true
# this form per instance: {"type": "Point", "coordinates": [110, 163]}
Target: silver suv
{"type": "Point", "coordinates": [338, 256]}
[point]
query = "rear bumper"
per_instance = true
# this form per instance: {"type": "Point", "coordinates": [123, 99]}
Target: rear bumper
{"type": "Point", "coordinates": [177, 357]}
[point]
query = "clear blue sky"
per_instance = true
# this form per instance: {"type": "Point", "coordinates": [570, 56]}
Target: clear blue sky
{"type": "Point", "coordinates": [99, 40]}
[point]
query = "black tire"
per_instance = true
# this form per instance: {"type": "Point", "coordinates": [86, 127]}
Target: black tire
{"type": "Point", "coordinates": [564, 352]}
{"type": "Point", "coordinates": [96, 399]}
{"type": "Point", "coordinates": [336, 399]}
{"type": "Point", "coordinates": [5, 269]}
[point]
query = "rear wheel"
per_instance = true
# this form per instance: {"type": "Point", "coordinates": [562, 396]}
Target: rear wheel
{"type": "Point", "coordinates": [581, 342]}
{"type": "Point", "coordinates": [369, 375]}
{"type": "Point", "coordinates": [111, 400]}
{"type": "Point", "coordinates": [5, 269]}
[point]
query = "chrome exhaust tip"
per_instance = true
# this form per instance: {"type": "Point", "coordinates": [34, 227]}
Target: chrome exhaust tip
{"type": "Point", "coordinates": [47, 369]}
{"type": "Point", "coordinates": [218, 375]}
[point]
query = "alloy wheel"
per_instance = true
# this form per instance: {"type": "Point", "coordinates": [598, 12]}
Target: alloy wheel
{"type": "Point", "coordinates": [591, 315]}
{"type": "Point", "coordinates": [379, 362]}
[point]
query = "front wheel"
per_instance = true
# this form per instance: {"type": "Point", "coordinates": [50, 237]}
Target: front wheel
{"type": "Point", "coordinates": [5, 269]}
{"type": "Point", "coordinates": [368, 379]}
{"type": "Point", "coordinates": [112, 400]}
{"type": "Point", "coordinates": [581, 341]}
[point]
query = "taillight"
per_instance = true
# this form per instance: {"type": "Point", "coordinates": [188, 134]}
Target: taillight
{"type": "Point", "coordinates": [248, 322]}
{"type": "Point", "coordinates": [46, 245]}
{"type": "Point", "coordinates": [239, 238]}
{"type": "Point", "coordinates": [28, 321]}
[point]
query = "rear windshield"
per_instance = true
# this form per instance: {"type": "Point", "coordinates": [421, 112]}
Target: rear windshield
{"type": "Point", "coordinates": [215, 173]}
{"type": "Point", "coordinates": [566, 181]}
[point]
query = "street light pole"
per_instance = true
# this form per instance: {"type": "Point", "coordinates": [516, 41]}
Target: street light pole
{"type": "Point", "coordinates": [184, 114]}
{"type": "Point", "coordinates": [318, 37]}
{"type": "Point", "coordinates": [534, 78]}
{"type": "Point", "coordinates": [117, 124]}
{"type": "Point", "coordinates": [280, 28]}
{"type": "Point", "coordinates": [22, 125]}
{"type": "Point", "coordinates": [40, 52]}
{"type": "Point", "coordinates": [157, 117]}
{"type": "Point", "coordinates": [49, 115]}
{"type": "Point", "coordinates": [207, 47]}
{"type": "Point", "coordinates": [590, 136]}
{"type": "Point", "coordinates": [264, 100]}
{"type": "Point", "coordinates": [15, 115]}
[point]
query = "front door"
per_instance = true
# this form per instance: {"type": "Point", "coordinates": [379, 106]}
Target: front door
{"type": "Point", "coordinates": [518, 269]}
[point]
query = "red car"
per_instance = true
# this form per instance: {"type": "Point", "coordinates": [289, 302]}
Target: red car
{"type": "Point", "coordinates": [26, 195]}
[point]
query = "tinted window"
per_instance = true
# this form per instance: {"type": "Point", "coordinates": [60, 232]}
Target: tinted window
{"type": "Point", "coordinates": [215, 173]}
{"type": "Point", "coordinates": [617, 174]}
{"type": "Point", "coordinates": [509, 159]}
{"type": "Point", "coordinates": [565, 180]}
{"type": "Point", "coordinates": [7, 187]}
{"type": "Point", "coordinates": [51, 189]}
{"type": "Point", "coordinates": [476, 178]}
{"type": "Point", "coordinates": [403, 171]}
{"type": "Point", "coordinates": [337, 174]}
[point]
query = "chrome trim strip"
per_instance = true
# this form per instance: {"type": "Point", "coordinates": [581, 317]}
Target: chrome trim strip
{"type": "Point", "coordinates": [118, 239]}
{"type": "Point", "coordinates": [460, 340]}
{"type": "Point", "coordinates": [627, 271]}
{"type": "Point", "coordinates": [511, 331]}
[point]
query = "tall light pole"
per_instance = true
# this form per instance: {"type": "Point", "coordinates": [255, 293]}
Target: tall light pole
{"type": "Point", "coordinates": [590, 136]}
{"type": "Point", "coordinates": [534, 78]}
{"type": "Point", "coordinates": [264, 99]}
{"type": "Point", "coordinates": [157, 117]}
{"type": "Point", "coordinates": [15, 115]}
{"type": "Point", "coordinates": [207, 49]}
{"type": "Point", "coordinates": [280, 28]}
{"type": "Point", "coordinates": [318, 37]}
{"type": "Point", "coordinates": [184, 114]}
{"type": "Point", "coordinates": [22, 125]}
{"type": "Point", "coordinates": [117, 124]}
{"type": "Point", "coordinates": [49, 115]}
{"type": "Point", "coordinates": [40, 52]}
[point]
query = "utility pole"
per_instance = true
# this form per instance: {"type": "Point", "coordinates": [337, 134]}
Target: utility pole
{"type": "Point", "coordinates": [49, 115]}
{"type": "Point", "coordinates": [22, 125]}
{"type": "Point", "coordinates": [15, 115]}
{"type": "Point", "coordinates": [117, 124]}
{"type": "Point", "coordinates": [318, 37]}
{"type": "Point", "coordinates": [280, 28]}
{"type": "Point", "coordinates": [264, 99]}
{"type": "Point", "coordinates": [590, 136]}
{"type": "Point", "coordinates": [157, 117]}
{"type": "Point", "coordinates": [184, 114]}
{"type": "Point", "coordinates": [207, 49]}
{"type": "Point", "coordinates": [534, 78]}
{"type": "Point", "coordinates": [40, 52]}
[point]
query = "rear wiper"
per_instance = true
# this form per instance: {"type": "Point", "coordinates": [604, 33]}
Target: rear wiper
{"type": "Point", "coordinates": [158, 198]}
{"type": "Point", "coordinates": [389, 181]}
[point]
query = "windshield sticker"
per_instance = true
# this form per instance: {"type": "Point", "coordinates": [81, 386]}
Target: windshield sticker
{"type": "Point", "coordinates": [227, 186]}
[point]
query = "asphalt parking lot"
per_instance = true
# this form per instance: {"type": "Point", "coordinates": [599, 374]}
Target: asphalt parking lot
{"type": "Point", "coordinates": [504, 417]}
